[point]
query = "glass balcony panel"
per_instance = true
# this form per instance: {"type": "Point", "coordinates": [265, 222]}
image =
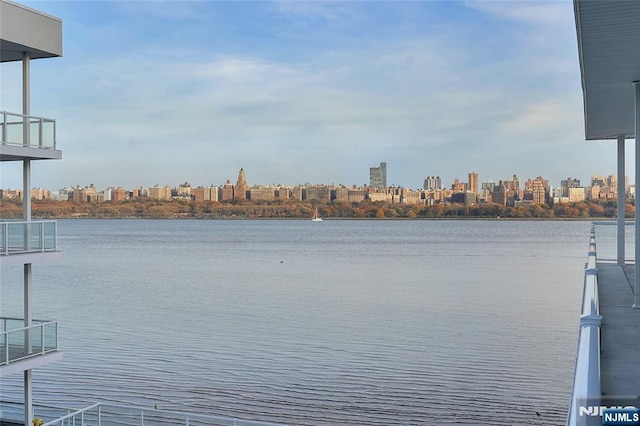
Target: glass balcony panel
{"type": "Point", "coordinates": [50, 337]}
{"type": "Point", "coordinates": [17, 237]}
{"type": "Point", "coordinates": [48, 133]}
{"type": "Point", "coordinates": [34, 128]}
{"type": "Point", "coordinates": [14, 135]}
{"type": "Point", "coordinates": [3, 239]}
{"type": "Point", "coordinates": [35, 236]}
{"type": "Point", "coordinates": [49, 235]}
{"type": "Point", "coordinates": [34, 336]}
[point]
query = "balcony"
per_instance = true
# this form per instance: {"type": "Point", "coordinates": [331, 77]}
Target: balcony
{"type": "Point", "coordinates": [12, 413]}
{"type": "Point", "coordinates": [27, 347]}
{"type": "Point", "coordinates": [27, 137]}
{"type": "Point", "coordinates": [17, 237]}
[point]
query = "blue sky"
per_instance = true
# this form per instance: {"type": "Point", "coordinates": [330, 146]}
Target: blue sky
{"type": "Point", "coordinates": [152, 92]}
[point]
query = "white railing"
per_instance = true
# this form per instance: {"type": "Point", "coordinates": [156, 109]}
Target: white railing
{"type": "Point", "coordinates": [28, 236]}
{"type": "Point", "coordinates": [586, 376]}
{"type": "Point", "coordinates": [28, 131]}
{"type": "Point", "coordinates": [96, 414]}
{"type": "Point", "coordinates": [19, 342]}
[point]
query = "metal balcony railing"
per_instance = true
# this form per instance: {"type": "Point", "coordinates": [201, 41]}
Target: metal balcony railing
{"type": "Point", "coordinates": [98, 414]}
{"type": "Point", "coordinates": [28, 131]}
{"type": "Point", "coordinates": [19, 342]}
{"type": "Point", "coordinates": [586, 376]}
{"type": "Point", "coordinates": [28, 236]}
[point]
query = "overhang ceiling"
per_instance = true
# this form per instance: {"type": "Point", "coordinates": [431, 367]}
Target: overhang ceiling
{"type": "Point", "coordinates": [609, 51]}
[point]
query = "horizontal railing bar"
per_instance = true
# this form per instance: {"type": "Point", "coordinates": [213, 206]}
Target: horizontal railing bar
{"type": "Point", "coordinates": [16, 114]}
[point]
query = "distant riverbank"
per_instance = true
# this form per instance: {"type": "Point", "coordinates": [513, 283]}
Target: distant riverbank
{"type": "Point", "coordinates": [187, 209]}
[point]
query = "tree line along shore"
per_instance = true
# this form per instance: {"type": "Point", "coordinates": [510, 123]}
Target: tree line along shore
{"type": "Point", "coordinates": [183, 208]}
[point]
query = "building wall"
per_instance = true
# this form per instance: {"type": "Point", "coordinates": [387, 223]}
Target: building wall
{"type": "Point", "coordinates": [356, 195]}
{"type": "Point", "coordinates": [576, 194]}
{"type": "Point", "coordinates": [227, 191]}
{"type": "Point", "coordinates": [319, 193]}
{"type": "Point", "coordinates": [262, 194]}
{"type": "Point", "coordinates": [160, 193]}
{"type": "Point", "coordinates": [341, 194]}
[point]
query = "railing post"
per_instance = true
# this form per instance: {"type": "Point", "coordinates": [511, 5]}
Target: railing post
{"type": "Point", "coordinates": [621, 201]}
{"type": "Point", "coordinates": [6, 346]}
{"type": "Point", "coordinates": [42, 351]}
{"type": "Point", "coordinates": [99, 415]}
{"type": "Point", "coordinates": [4, 127]}
{"type": "Point", "coordinates": [40, 138]}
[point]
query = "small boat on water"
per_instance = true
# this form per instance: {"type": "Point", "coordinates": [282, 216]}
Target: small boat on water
{"type": "Point", "coordinates": [316, 216]}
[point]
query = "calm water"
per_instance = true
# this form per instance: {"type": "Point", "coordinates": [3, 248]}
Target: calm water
{"type": "Point", "coordinates": [339, 322]}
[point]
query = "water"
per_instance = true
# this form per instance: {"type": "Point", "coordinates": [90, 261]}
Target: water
{"type": "Point", "coordinates": [339, 322]}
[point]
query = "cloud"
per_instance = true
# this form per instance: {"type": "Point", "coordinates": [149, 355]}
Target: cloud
{"type": "Point", "coordinates": [313, 91]}
{"type": "Point", "coordinates": [547, 13]}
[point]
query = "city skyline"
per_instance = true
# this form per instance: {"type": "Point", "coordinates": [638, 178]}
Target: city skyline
{"type": "Point", "coordinates": [471, 183]}
{"type": "Point", "coordinates": [310, 91]}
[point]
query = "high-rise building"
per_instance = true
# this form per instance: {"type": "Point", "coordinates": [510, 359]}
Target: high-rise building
{"type": "Point", "coordinates": [432, 183]}
{"type": "Point", "coordinates": [473, 182]}
{"type": "Point", "coordinates": [378, 176]}
{"type": "Point", "coordinates": [241, 188]}
{"type": "Point", "coordinates": [537, 189]}
{"type": "Point", "coordinates": [513, 184]}
{"type": "Point", "coordinates": [28, 343]}
{"type": "Point", "coordinates": [458, 186]}
{"type": "Point", "coordinates": [227, 191]}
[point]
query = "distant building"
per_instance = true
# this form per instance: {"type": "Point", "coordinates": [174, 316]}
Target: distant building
{"type": "Point", "coordinates": [118, 194]}
{"type": "Point", "coordinates": [227, 191]}
{"type": "Point", "coordinates": [512, 184]}
{"type": "Point", "coordinates": [473, 182]}
{"type": "Point", "coordinates": [378, 176]}
{"type": "Point", "coordinates": [432, 183]}
{"type": "Point", "coordinates": [88, 194]}
{"type": "Point", "coordinates": [408, 196]}
{"type": "Point", "coordinates": [356, 195]}
{"type": "Point", "coordinates": [536, 190]}
{"type": "Point", "coordinates": [467, 198]}
{"type": "Point", "coordinates": [241, 188]}
{"type": "Point", "coordinates": [340, 194]}
{"type": "Point", "coordinates": [576, 194]}
{"type": "Point", "coordinates": [458, 186]}
{"type": "Point", "coordinates": [8, 194]}
{"type": "Point", "coordinates": [160, 193]}
{"type": "Point", "coordinates": [202, 194]}
{"type": "Point", "coordinates": [499, 195]}
{"type": "Point", "coordinates": [319, 193]}
{"type": "Point", "coordinates": [262, 193]}
{"type": "Point", "coordinates": [184, 190]}
{"type": "Point", "coordinates": [283, 193]}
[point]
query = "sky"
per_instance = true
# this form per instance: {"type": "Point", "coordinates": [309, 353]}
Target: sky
{"type": "Point", "coordinates": [294, 92]}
